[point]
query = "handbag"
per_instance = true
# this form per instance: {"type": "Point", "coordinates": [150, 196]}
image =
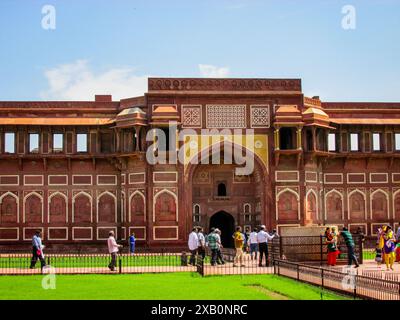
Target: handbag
{"type": "Point", "coordinates": [39, 252]}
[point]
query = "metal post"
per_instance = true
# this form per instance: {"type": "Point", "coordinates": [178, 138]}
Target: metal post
{"type": "Point", "coordinates": [119, 264]}
{"type": "Point", "coordinates": [355, 287]}
{"type": "Point", "coordinates": [322, 278]}
{"type": "Point", "coordinates": [298, 272]}
{"type": "Point", "coordinates": [321, 253]}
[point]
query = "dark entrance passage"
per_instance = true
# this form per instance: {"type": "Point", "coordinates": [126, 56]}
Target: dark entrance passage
{"type": "Point", "coordinates": [224, 222]}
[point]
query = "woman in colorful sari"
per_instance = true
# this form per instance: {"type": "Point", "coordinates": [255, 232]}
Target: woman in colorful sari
{"type": "Point", "coordinates": [334, 247]}
{"type": "Point", "coordinates": [331, 245]}
{"type": "Point", "coordinates": [389, 248]}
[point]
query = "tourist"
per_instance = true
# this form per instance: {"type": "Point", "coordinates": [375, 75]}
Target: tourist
{"type": "Point", "coordinates": [398, 244]}
{"type": "Point", "coordinates": [202, 243]}
{"type": "Point", "coordinates": [37, 250]}
{"type": "Point", "coordinates": [132, 241]}
{"type": "Point", "coordinates": [331, 242]}
{"type": "Point", "coordinates": [220, 257]}
{"type": "Point", "coordinates": [389, 248]}
{"type": "Point", "coordinates": [335, 240]}
{"type": "Point", "coordinates": [380, 242]}
{"type": "Point", "coordinates": [239, 241]}
{"type": "Point", "coordinates": [253, 244]}
{"type": "Point", "coordinates": [193, 244]}
{"type": "Point", "coordinates": [398, 233]}
{"type": "Point", "coordinates": [262, 239]}
{"type": "Point", "coordinates": [360, 234]}
{"type": "Point", "coordinates": [113, 249]}
{"type": "Point", "coordinates": [246, 239]}
{"type": "Point", "coordinates": [213, 245]}
{"type": "Point", "coordinates": [348, 238]}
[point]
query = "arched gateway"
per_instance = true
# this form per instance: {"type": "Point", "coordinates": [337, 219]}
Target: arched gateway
{"type": "Point", "coordinates": [226, 223]}
{"type": "Point", "coordinates": [218, 197]}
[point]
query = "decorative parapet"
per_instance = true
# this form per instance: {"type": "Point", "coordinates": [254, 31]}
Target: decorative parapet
{"type": "Point", "coordinates": [199, 84]}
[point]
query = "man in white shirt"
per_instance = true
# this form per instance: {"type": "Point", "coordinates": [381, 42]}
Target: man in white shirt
{"type": "Point", "coordinates": [193, 244]}
{"type": "Point", "coordinates": [253, 244]}
{"type": "Point", "coordinates": [37, 250]}
{"type": "Point", "coordinates": [262, 239]}
{"type": "Point", "coordinates": [220, 257]}
{"type": "Point", "coordinates": [113, 249]}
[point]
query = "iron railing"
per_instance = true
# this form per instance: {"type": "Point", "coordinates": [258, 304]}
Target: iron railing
{"type": "Point", "coordinates": [346, 281]}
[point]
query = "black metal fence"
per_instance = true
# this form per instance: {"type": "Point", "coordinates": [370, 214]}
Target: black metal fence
{"type": "Point", "coordinates": [300, 249]}
{"type": "Point", "coordinates": [346, 281]}
{"type": "Point", "coordinates": [73, 263]}
{"type": "Point", "coordinates": [232, 264]}
{"type": "Point", "coordinates": [311, 249]}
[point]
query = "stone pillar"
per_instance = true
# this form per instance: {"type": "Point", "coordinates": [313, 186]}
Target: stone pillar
{"type": "Point", "coordinates": [299, 138]}
{"type": "Point", "coordinates": [137, 139]}
{"type": "Point", "coordinates": [276, 139]}
{"type": "Point", "coordinates": [314, 137]}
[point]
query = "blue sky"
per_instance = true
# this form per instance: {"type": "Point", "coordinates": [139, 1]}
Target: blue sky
{"type": "Point", "coordinates": [111, 47]}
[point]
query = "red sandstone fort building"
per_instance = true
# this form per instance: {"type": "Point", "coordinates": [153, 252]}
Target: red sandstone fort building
{"type": "Point", "coordinates": [78, 169]}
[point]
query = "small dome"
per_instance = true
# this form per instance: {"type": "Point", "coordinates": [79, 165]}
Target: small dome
{"type": "Point", "coordinates": [315, 111]}
{"type": "Point", "coordinates": [131, 111]}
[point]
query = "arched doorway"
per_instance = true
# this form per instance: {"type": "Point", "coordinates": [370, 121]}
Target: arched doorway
{"type": "Point", "coordinates": [226, 223]}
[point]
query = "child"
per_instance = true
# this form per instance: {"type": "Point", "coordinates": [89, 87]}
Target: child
{"type": "Point", "coordinates": [132, 241]}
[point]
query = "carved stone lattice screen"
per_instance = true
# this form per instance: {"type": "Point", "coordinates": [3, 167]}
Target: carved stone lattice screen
{"type": "Point", "coordinates": [226, 116]}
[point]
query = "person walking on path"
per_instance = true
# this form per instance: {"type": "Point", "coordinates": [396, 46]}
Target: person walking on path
{"type": "Point", "coordinates": [253, 244]}
{"type": "Point", "coordinates": [246, 240]}
{"type": "Point", "coordinates": [213, 245]}
{"type": "Point", "coordinates": [193, 244]}
{"type": "Point", "coordinates": [113, 249]}
{"type": "Point", "coordinates": [389, 248]}
{"type": "Point", "coordinates": [348, 238]}
{"type": "Point", "coordinates": [220, 257]}
{"type": "Point", "coordinates": [132, 244]}
{"type": "Point", "coordinates": [37, 250]}
{"type": "Point", "coordinates": [239, 241]}
{"type": "Point", "coordinates": [262, 239]}
{"type": "Point", "coordinates": [202, 243]}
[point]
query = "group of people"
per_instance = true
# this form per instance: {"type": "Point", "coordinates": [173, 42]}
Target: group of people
{"type": "Point", "coordinates": [331, 240]}
{"type": "Point", "coordinates": [387, 247]}
{"type": "Point", "coordinates": [198, 242]}
{"type": "Point", "coordinates": [252, 243]}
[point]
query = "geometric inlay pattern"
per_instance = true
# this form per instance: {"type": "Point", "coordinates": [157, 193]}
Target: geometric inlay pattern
{"type": "Point", "coordinates": [191, 116]}
{"type": "Point", "coordinates": [226, 116]}
{"type": "Point", "coordinates": [259, 116]}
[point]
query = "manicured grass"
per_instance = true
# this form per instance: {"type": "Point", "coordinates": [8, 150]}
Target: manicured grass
{"type": "Point", "coordinates": [174, 286]}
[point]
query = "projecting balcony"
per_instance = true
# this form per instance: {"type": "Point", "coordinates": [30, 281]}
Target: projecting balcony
{"type": "Point", "coordinates": [222, 198]}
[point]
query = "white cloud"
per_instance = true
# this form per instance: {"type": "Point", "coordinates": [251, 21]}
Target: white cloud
{"type": "Point", "coordinates": [76, 81]}
{"type": "Point", "coordinates": [210, 71]}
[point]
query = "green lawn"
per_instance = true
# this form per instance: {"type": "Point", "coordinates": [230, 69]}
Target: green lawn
{"type": "Point", "coordinates": [174, 286]}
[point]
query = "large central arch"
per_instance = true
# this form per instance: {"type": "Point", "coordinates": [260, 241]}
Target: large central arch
{"type": "Point", "coordinates": [233, 203]}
